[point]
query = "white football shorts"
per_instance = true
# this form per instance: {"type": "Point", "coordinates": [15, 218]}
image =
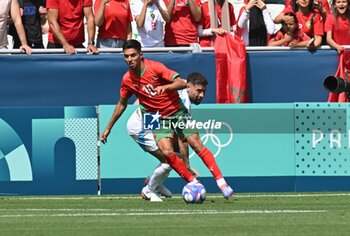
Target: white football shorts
{"type": "Point", "coordinates": [142, 137]}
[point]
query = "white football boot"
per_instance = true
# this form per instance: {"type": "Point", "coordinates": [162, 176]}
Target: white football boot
{"type": "Point", "coordinates": [148, 195]}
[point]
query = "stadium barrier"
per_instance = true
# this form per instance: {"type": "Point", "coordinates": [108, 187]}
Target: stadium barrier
{"type": "Point", "coordinates": [273, 76]}
{"type": "Point", "coordinates": [259, 147]}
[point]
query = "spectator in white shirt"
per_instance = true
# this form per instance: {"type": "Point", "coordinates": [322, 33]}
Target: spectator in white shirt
{"type": "Point", "coordinates": [150, 17]}
{"type": "Point", "coordinates": [255, 24]}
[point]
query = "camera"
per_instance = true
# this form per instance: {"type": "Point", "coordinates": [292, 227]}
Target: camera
{"type": "Point", "coordinates": [336, 85]}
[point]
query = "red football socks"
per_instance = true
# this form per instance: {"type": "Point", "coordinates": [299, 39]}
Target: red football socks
{"type": "Point", "coordinates": [179, 166]}
{"type": "Point", "coordinates": [209, 160]}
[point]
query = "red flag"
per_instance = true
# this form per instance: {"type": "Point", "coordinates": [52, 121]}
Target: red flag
{"type": "Point", "coordinates": [231, 75]}
{"type": "Point", "coordinates": [342, 72]}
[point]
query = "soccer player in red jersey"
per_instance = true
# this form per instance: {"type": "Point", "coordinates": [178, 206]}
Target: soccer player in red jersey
{"type": "Point", "coordinates": [156, 88]}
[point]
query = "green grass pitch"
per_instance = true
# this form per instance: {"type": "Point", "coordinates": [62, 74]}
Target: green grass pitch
{"type": "Point", "coordinates": [244, 214]}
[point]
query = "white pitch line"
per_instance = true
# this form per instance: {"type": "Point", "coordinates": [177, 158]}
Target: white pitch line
{"type": "Point", "coordinates": [60, 209]}
{"type": "Point", "coordinates": [168, 213]}
{"type": "Point", "coordinates": [295, 195]}
{"type": "Point", "coordinates": [176, 197]}
{"type": "Point", "coordinates": [141, 210]}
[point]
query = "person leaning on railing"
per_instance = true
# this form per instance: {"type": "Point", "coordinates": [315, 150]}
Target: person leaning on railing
{"type": "Point", "coordinates": [337, 26]}
{"type": "Point", "coordinates": [66, 21]}
{"type": "Point", "coordinates": [309, 18]}
{"type": "Point", "coordinates": [33, 13]}
{"type": "Point", "coordinates": [290, 34]}
{"type": "Point", "coordinates": [12, 7]}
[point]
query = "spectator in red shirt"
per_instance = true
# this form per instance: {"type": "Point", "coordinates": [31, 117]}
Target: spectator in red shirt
{"type": "Point", "coordinates": [184, 17]}
{"type": "Point", "coordinates": [113, 18]}
{"type": "Point", "coordinates": [290, 34]}
{"type": "Point", "coordinates": [309, 18]}
{"type": "Point", "coordinates": [205, 33]}
{"type": "Point", "coordinates": [321, 5]}
{"type": "Point", "coordinates": [337, 26]}
{"type": "Point", "coordinates": [66, 21]}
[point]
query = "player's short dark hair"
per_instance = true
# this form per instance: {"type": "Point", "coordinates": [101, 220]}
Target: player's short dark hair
{"type": "Point", "coordinates": [132, 43]}
{"type": "Point", "coordinates": [197, 78]}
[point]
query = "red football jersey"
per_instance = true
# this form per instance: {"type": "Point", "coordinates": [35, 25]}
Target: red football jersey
{"type": "Point", "coordinates": [153, 74]}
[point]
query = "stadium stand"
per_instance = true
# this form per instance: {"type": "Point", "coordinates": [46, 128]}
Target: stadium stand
{"type": "Point", "coordinates": [274, 6]}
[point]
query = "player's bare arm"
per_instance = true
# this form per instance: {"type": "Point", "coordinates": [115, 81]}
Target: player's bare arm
{"type": "Point", "coordinates": [118, 111]}
{"type": "Point", "coordinates": [177, 84]}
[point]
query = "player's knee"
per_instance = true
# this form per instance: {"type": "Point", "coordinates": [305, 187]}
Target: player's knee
{"type": "Point", "coordinates": [165, 146]}
{"type": "Point", "coordinates": [196, 143]}
{"type": "Point", "coordinates": [159, 155]}
{"type": "Point", "coordinates": [167, 152]}
{"type": "Point", "coordinates": [197, 147]}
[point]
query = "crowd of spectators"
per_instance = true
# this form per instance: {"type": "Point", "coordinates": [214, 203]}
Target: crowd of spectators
{"type": "Point", "coordinates": [164, 23]}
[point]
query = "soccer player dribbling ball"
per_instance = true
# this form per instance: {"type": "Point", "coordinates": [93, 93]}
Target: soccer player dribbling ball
{"type": "Point", "coordinates": [154, 184]}
{"type": "Point", "coordinates": [156, 88]}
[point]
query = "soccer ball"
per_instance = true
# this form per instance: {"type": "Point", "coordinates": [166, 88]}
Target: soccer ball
{"type": "Point", "coordinates": [194, 193]}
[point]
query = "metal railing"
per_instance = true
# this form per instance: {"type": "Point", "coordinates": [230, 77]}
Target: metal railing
{"type": "Point", "coordinates": [193, 48]}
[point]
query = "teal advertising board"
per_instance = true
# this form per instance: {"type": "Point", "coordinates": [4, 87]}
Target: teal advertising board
{"type": "Point", "coordinates": [322, 144]}
{"type": "Point", "coordinates": [51, 150]}
{"type": "Point", "coordinates": [259, 147]}
{"type": "Point", "coordinates": [254, 140]}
